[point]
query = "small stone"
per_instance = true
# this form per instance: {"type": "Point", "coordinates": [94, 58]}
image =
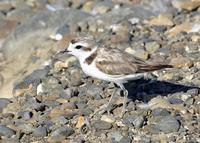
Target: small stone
{"type": "Point", "coordinates": [80, 122]}
{"type": "Point", "coordinates": [101, 125]}
{"type": "Point", "coordinates": [60, 120]}
{"type": "Point", "coordinates": [5, 131]}
{"type": "Point", "coordinates": [39, 88]}
{"type": "Point", "coordinates": [189, 101]}
{"type": "Point", "coordinates": [184, 27]}
{"type": "Point", "coordinates": [26, 128]}
{"type": "Point", "coordinates": [194, 91]}
{"type": "Point", "coordinates": [160, 112]}
{"type": "Point", "coordinates": [63, 65]}
{"type": "Point", "coordinates": [88, 5]}
{"type": "Point", "coordinates": [4, 102]}
{"type": "Point", "coordinates": [139, 53]}
{"type": "Point", "coordinates": [152, 47]}
{"type": "Point", "coordinates": [168, 124]}
{"type": "Point", "coordinates": [107, 118]}
{"type": "Point", "coordinates": [175, 101]}
{"type": "Point", "coordinates": [186, 4]}
{"type": "Point", "coordinates": [69, 106]}
{"type": "Point", "coordinates": [138, 122]}
{"type": "Point", "coordinates": [40, 132]}
{"type": "Point", "coordinates": [195, 38]}
{"type": "Point", "coordinates": [56, 113]}
{"type": "Point", "coordinates": [181, 62]}
{"type": "Point", "coordinates": [163, 19]}
{"type": "Point", "coordinates": [76, 79]}
{"type": "Point", "coordinates": [26, 115]}
{"type": "Point", "coordinates": [116, 136]}
{"type": "Point", "coordinates": [61, 134]}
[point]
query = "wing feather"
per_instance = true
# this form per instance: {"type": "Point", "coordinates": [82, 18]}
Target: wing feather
{"type": "Point", "coordinates": [117, 62]}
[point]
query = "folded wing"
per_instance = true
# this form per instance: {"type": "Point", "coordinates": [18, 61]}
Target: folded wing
{"type": "Point", "coordinates": [116, 62]}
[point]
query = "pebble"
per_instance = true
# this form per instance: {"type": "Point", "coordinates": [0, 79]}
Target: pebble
{"type": "Point", "coordinates": [40, 132]}
{"type": "Point", "coordinates": [26, 115]}
{"type": "Point", "coordinates": [181, 62]}
{"type": "Point", "coordinates": [168, 124]}
{"type": "Point", "coordinates": [61, 134]}
{"type": "Point", "coordinates": [6, 131]}
{"type": "Point", "coordinates": [160, 112]}
{"type": "Point", "coordinates": [116, 136]}
{"type": "Point", "coordinates": [4, 102]}
{"type": "Point", "coordinates": [138, 122]}
{"type": "Point", "coordinates": [101, 125]}
{"type": "Point", "coordinates": [152, 47]}
{"type": "Point", "coordinates": [76, 77]}
{"type": "Point", "coordinates": [107, 118]}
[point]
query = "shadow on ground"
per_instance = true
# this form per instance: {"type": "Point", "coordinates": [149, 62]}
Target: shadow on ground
{"type": "Point", "coordinates": [146, 89]}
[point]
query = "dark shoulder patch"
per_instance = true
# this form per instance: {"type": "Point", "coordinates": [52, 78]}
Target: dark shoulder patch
{"type": "Point", "coordinates": [91, 58]}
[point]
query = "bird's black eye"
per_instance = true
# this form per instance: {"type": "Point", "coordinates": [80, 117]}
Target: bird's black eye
{"type": "Point", "coordinates": [79, 47]}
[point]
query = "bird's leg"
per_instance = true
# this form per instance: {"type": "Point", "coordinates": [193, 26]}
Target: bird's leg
{"type": "Point", "coordinates": [105, 107]}
{"type": "Point", "coordinates": [110, 100]}
{"type": "Point", "coordinates": [125, 92]}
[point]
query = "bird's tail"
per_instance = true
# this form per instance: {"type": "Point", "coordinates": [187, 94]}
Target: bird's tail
{"type": "Point", "coordinates": [154, 67]}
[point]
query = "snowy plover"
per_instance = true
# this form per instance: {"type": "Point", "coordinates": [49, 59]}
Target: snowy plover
{"type": "Point", "coordinates": [109, 64]}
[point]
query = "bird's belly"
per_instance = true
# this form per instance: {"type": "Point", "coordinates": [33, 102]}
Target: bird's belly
{"type": "Point", "coordinates": [93, 71]}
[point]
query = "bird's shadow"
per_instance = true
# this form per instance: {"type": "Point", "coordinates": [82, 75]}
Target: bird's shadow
{"type": "Point", "coordinates": [146, 89]}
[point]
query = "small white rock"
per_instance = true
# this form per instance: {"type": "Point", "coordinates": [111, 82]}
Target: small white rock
{"type": "Point", "coordinates": [39, 88]}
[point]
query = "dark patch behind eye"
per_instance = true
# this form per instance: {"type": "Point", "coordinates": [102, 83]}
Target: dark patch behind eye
{"type": "Point", "coordinates": [73, 41]}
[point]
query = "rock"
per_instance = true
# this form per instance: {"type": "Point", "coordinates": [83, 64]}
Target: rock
{"type": "Point", "coordinates": [80, 122]}
{"type": "Point", "coordinates": [103, 7]}
{"type": "Point", "coordinates": [61, 134]}
{"type": "Point", "coordinates": [107, 118]}
{"type": "Point", "coordinates": [61, 65]}
{"type": "Point", "coordinates": [189, 101]}
{"type": "Point", "coordinates": [184, 27]}
{"type": "Point", "coordinates": [181, 62]}
{"type": "Point", "coordinates": [76, 77]}
{"type": "Point", "coordinates": [175, 101]}
{"type": "Point", "coordinates": [163, 19]}
{"type": "Point", "coordinates": [56, 113]}
{"type": "Point", "coordinates": [60, 120]}
{"type": "Point", "coordinates": [87, 7]}
{"type": "Point", "coordinates": [186, 4]}
{"type": "Point", "coordinates": [116, 136]}
{"type": "Point", "coordinates": [160, 112]}
{"type": "Point", "coordinates": [168, 124]}
{"type": "Point", "coordinates": [26, 115]}
{"type": "Point", "coordinates": [139, 53]}
{"type": "Point", "coordinates": [40, 132]}
{"type": "Point", "coordinates": [26, 128]}
{"type": "Point", "coordinates": [68, 105]}
{"type": "Point", "coordinates": [138, 122]}
{"type": "Point", "coordinates": [194, 91]}
{"type": "Point", "coordinates": [152, 47]}
{"type": "Point", "coordinates": [4, 102]}
{"type": "Point", "coordinates": [7, 132]}
{"type": "Point", "coordinates": [101, 125]}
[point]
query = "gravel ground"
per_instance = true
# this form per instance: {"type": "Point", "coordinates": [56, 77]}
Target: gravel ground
{"type": "Point", "coordinates": [54, 101]}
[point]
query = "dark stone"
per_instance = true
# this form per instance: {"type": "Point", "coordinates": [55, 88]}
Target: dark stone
{"type": "Point", "coordinates": [40, 132]}
{"type": "Point", "coordinates": [101, 125]}
{"type": "Point", "coordinates": [5, 131]}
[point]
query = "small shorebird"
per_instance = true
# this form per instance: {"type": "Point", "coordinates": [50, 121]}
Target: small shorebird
{"type": "Point", "coordinates": [108, 64]}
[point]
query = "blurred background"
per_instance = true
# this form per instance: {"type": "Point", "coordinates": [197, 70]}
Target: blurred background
{"type": "Point", "coordinates": [31, 31]}
{"type": "Point", "coordinates": [54, 101]}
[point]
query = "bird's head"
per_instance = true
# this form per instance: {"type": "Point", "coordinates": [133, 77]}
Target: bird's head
{"type": "Point", "coordinates": [81, 47]}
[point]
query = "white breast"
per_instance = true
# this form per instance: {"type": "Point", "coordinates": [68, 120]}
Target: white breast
{"type": "Point", "coordinates": [93, 71]}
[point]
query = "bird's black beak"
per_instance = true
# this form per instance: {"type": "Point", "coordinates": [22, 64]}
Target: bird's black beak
{"type": "Point", "coordinates": [64, 51]}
